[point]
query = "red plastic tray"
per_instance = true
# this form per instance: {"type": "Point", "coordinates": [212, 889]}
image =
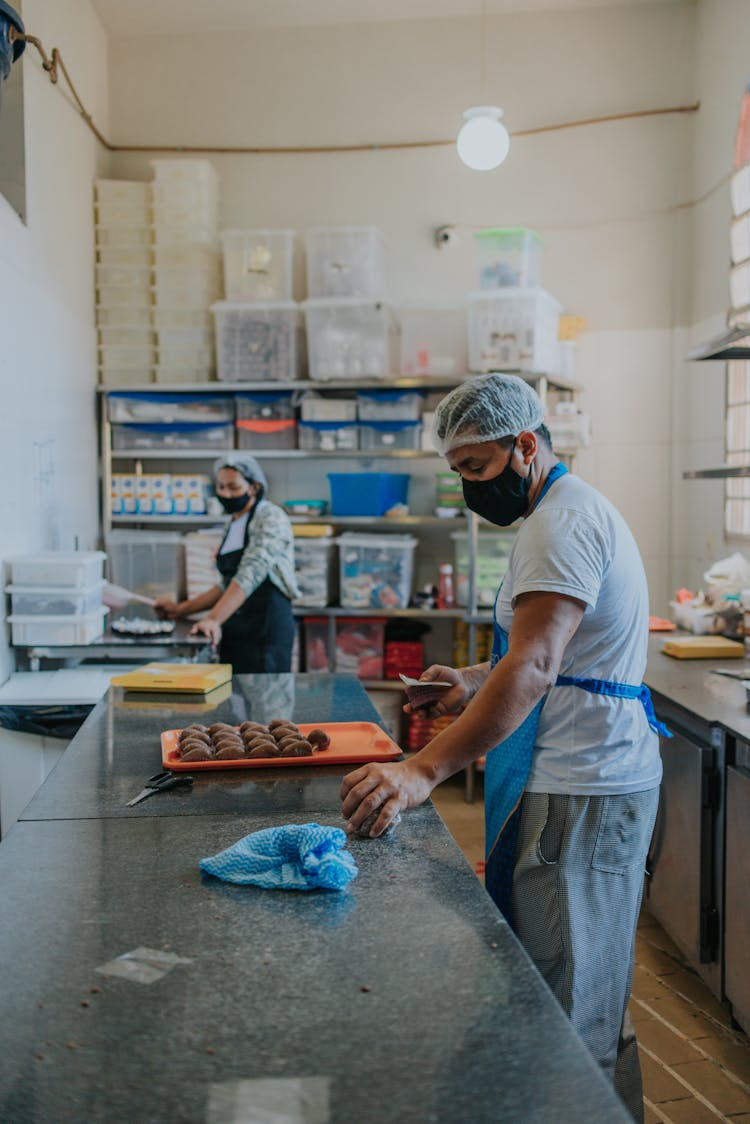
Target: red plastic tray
{"type": "Point", "coordinates": [352, 743]}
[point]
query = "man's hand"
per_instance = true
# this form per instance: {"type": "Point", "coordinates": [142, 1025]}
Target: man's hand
{"type": "Point", "coordinates": [167, 610]}
{"type": "Point", "coordinates": [389, 788]}
{"type": "Point", "coordinates": [208, 627]}
{"type": "Point", "coordinates": [452, 699]}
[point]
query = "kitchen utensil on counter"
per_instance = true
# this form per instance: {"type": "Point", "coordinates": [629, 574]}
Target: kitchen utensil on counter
{"type": "Point", "coordinates": [160, 782]}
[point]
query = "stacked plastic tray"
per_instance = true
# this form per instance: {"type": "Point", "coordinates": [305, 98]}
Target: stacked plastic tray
{"type": "Point", "coordinates": [257, 326]}
{"type": "Point", "coordinates": [123, 281]}
{"type": "Point", "coordinates": [56, 598]}
{"type": "Point", "coordinates": [186, 268]}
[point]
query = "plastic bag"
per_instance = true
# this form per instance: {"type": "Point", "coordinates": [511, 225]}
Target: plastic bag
{"type": "Point", "coordinates": [729, 575]}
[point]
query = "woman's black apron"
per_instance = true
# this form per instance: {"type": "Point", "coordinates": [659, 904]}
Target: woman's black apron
{"type": "Point", "coordinates": [258, 637]}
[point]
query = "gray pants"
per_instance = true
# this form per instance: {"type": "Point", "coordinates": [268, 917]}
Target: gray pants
{"type": "Point", "coordinates": [577, 887]}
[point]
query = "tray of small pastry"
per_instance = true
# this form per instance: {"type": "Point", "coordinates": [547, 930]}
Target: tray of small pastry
{"type": "Point", "coordinates": [253, 745]}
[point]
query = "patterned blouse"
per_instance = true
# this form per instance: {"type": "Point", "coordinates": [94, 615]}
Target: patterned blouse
{"type": "Point", "coordinates": [269, 553]}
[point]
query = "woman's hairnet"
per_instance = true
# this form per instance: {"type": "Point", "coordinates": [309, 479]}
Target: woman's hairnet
{"type": "Point", "coordinates": [486, 408]}
{"type": "Point", "coordinates": [247, 466]}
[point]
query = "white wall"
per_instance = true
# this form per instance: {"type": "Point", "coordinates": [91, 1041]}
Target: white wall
{"type": "Point", "coordinates": [602, 197]}
{"type": "Point", "coordinates": [722, 70]}
{"type": "Point", "coordinates": [48, 487]}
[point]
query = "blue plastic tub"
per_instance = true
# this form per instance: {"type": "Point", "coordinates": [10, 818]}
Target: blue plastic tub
{"type": "Point", "coordinates": [367, 493]}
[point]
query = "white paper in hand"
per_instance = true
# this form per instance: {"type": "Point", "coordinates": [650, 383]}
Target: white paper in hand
{"type": "Point", "coordinates": [423, 692]}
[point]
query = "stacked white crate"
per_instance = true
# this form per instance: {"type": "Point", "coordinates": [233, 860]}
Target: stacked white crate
{"type": "Point", "coordinates": [56, 597]}
{"type": "Point", "coordinates": [123, 281]}
{"type": "Point", "coordinates": [186, 267]}
{"type": "Point", "coordinates": [201, 548]}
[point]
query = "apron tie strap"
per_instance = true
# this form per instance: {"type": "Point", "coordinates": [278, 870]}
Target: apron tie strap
{"type": "Point", "coordinates": [619, 691]}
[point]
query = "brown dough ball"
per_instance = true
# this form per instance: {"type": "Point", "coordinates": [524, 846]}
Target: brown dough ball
{"type": "Point", "coordinates": [218, 726]}
{"type": "Point", "coordinates": [287, 739]}
{"type": "Point", "coordinates": [192, 743]}
{"type": "Point", "coordinates": [197, 753]}
{"type": "Point", "coordinates": [229, 753]}
{"type": "Point", "coordinates": [265, 749]}
{"type": "Point", "coordinates": [247, 726]}
{"type": "Point", "coordinates": [229, 743]}
{"type": "Point", "coordinates": [194, 736]}
{"type": "Point", "coordinates": [298, 748]}
{"type": "Point", "coordinates": [319, 739]}
{"type": "Point", "coordinates": [256, 743]}
{"type": "Point", "coordinates": [198, 727]}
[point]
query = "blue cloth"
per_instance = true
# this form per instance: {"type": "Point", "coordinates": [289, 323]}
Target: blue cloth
{"type": "Point", "coordinates": [294, 857]}
{"type": "Point", "coordinates": [508, 765]}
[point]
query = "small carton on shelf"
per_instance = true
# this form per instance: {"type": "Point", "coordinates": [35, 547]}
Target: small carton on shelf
{"type": "Point", "coordinates": [144, 501]}
{"type": "Point", "coordinates": [189, 494]}
{"type": "Point", "coordinates": [115, 495]}
{"type": "Point", "coordinates": [128, 495]}
{"type": "Point", "coordinates": [160, 489]}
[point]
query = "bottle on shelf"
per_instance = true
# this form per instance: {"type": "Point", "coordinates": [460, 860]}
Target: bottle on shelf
{"type": "Point", "coordinates": [446, 596]}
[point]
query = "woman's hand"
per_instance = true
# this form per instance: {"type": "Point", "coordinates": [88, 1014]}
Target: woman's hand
{"type": "Point", "coordinates": [390, 788]}
{"type": "Point", "coordinates": [167, 610]}
{"type": "Point", "coordinates": [451, 700]}
{"type": "Point", "coordinates": [208, 627]}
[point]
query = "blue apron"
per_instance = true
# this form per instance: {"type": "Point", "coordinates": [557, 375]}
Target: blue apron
{"type": "Point", "coordinates": [508, 764]}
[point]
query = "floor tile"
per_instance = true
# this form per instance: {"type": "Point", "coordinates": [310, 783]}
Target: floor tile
{"type": "Point", "coordinates": [668, 1046]}
{"type": "Point", "coordinates": [657, 1083]}
{"type": "Point", "coordinates": [714, 1085]}
{"type": "Point", "coordinates": [732, 1053]}
{"type": "Point", "coordinates": [691, 986]}
{"type": "Point", "coordinates": [679, 1013]}
{"type": "Point", "coordinates": [690, 1111]}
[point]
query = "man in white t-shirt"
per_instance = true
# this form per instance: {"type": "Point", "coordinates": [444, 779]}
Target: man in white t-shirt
{"type": "Point", "coordinates": [573, 766]}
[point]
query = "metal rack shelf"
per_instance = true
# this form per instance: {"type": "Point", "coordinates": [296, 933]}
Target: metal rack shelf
{"type": "Point", "coordinates": [416, 614]}
{"type": "Point", "coordinates": [271, 454]}
{"type": "Point", "coordinates": [393, 382]}
{"type": "Point", "coordinates": [338, 520]}
{"type": "Point", "coordinates": [725, 472]}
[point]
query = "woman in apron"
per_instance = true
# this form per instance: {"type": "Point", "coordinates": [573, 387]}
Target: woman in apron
{"type": "Point", "coordinates": [250, 617]}
{"type": "Point", "coordinates": [561, 713]}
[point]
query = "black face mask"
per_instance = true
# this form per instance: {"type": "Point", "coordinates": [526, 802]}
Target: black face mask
{"type": "Point", "coordinates": [233, 504]}
{"type": "Point", "coordinates": [502, 499]}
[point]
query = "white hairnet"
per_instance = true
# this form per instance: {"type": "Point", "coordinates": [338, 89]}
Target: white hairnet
{"type": "Point", "coordinates": [247, 466]}
{"type": "Point", "coordinates": [486, 408]}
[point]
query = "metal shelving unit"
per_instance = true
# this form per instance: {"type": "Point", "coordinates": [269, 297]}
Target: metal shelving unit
{"type": "Point", "coordinates": [725, 472]}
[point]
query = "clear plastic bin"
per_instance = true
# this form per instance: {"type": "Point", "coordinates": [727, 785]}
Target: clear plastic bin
{"type": "Point", "coordinates": [389, 405]}
{"type": "Point", "coordinates": [128, 338]}
{"type": "Point", "coordinates": [134, 277]}
{"type": "Point", "coordinates": [203, 213]}
{"type": "Point", "coordinates": [268, 405]}
{"type": "Point", "coordinates": [513, 329]}
{"type": "Point", "coordinates": [179, 435]}
{"type": "Point", "coordinates": [315, 571]}
{"type": "Point", "coordinates": [49, 601]}
{"type": "Point", "coordinates": [433, 339]}
{"type": "Point", "coordinates": [258, 264]}
{"type": "Point", "coordinates": [313, 407]}
{"type": "Point", "coordinates": [126, 358]}
{"type": "Point", "coordinates": [165, 407]}
{"type": "Point", "coordinates": [179, 172]}
{"type": "Point", "coordinates": [151, 563]}
{"type": "Point", "coordinates": [317, 654]}
{"type": "Point", "coordinates": [493, 552]}
{"type": "Point", "coordinates": [367, 493]}
{"type": "Point", "coordinates": [328, 436]}
{"type": "Point", "coordinates": [345, 261]}
{"type": "Point", "coordinates": [137, 316]}
{"type": "Point", "coordinates": [71, 569]}
{"type": "Point", "coordinates": [256, 342]}
{"type": "Point", "coordinates": [509, 257]}
{"type": "Point", "coordinates": [112, 235]}
{"type": "Point", "coordinates": [569, 430]}
{"type": "Point", "coordinates": [376, 570]}
{"type": "Point", "coordinates": [177, 288]}
{"type": "Point", "coordinates": [348, 338]}
{"type": "Point", "coordinates": [52, 630]}
{"type": "Point", "coordinates": [389, 435]}
{"type": "Point", "coordinates": [267, 434]}
{"type": "Point", "coordinates": [360, 645]}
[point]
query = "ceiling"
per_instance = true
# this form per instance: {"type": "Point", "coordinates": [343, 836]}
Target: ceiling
{"type": "Point", "coordinates": [184, 17]}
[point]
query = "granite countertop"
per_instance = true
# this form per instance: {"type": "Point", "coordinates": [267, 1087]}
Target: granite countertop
{"type": "Point", "coordinates": [694, 686]}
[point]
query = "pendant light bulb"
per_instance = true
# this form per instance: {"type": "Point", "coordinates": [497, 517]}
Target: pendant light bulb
{"type": "Point", "coordinates": [483, 142]}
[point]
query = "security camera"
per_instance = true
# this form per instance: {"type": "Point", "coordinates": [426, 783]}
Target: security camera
{"type": "Point", "coordinates": [445, 236]}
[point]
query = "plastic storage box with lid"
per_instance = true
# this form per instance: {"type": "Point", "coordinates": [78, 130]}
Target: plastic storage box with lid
{"type": "Point", "coordinates": [110, 235]}
{"type": "Point", "coordinates": [315, 571]}
{"type": "Point", "coordinates": [315, 407]}
{"type": "Point", "coordinates": [51, 601]}
{"type": "Point", "coordinates": [128, 338]}
{"type": "Point", "coordinates": [367, 493]}
{"type": "Point", "coordinates": [126, 359]}
{"type": "Point", "coordinates": [179, 171]}
{"type": "Point", "coordinates": [390, 435]}
{"type": "Point", "coordinates": [328, 436]}
{"type": "Point", "coordinates": [348, 338]}
{"type": "Point", "coordinates": [185, 288]}
{"type": "Point", "coordinates": [151, 563]}
{"type": "Point", "coordinates": [119, 201]}
{"type": "Point", "coordinates": [255, 341]}
{"type": "Point", "coordinates": [123, 317]}
{"type": "Point", "coordinates": [345, 261]}
{"type": "Point", "coordinates": [57, 630]}
{"type": "Point", "coordinates": [513, 329]}
{"type": "Point", "coordinates": [509, 257]}
{"type": "Point", "coordinates": [176, 435]}
{"type": "Point", "coordinates": [376, 570]}
{"type": "Point", "coordinates": [264, 405]}
{"type": "Point", "coordinates": [258, 264]}
{"type": "Point", "coordinates": [433, 339]}
{"type": "Point", "coordinates": [359, 647]}
{"type": "Point", "coordinates": [129, 256]}
{"type": "Point", "coordinates": [71, 569]}
{"type": "Point", "coordinates": [493, 552]}
{"type": "Point", "coordinates": [389, 405]}
{"type": "Point", "coordinates": [180, 365]}
{"type": "Point", "coordinates": [267, 433]}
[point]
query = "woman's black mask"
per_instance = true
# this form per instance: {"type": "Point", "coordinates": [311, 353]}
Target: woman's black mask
{"type": "Point", "coordinates": [503, 498]}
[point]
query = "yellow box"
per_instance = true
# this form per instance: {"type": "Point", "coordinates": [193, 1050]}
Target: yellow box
{"type": "Point", "coordinates": [570, 327]}
{"type": "Point", "coordinates": [703, 648]}
{"type": "Point", "coordinates": [192, 678]}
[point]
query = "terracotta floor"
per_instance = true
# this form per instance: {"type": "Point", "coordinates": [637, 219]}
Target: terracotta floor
{"type": "Point", "coordinates": [696, 1067]}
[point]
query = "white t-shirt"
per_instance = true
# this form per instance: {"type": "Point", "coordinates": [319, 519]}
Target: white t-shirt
{"type": "Point", "coordinates": [576, 543]}
{"type": "Point", "coordinates": [235, 539]}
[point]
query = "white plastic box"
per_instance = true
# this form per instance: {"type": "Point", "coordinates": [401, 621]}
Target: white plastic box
{"type": "Point", "coordinates": [348, 338]}
{"type": "Point", "coordinates": [71, 569]}
{"type": "Point", "coordinates": [178, 287]}
{"type": "Point", "coordinates": [376, 570]}
{"type": "Point", "coordinates": [136, 316]}
{"type": "Point", "coordinates": [388, 435]}
{"type": "Point", "coordinates": [53, 630]}
{"type": "Point", "coordinates": [315, 571]}
{"type": "Point", "coordinates": [328, 436]}
{"type": "Point", "coordinates": [130, 339]}
{"type": "Point", "coordinates": [256, 342]}
{"type": "Point", "coordinates": [314, 407]}
{"type": "Point", "coordinates": [111, 235]}
{"type": "Point", "coordinates": [177, 435]}
{"type": "Point", "coordinates": [509, 257]}
{"type": "Point", "coordinates": [513, 329]}
{"type": "Point", "coordinates": [148, 562]}
{"type": "Point", "coordinates": [50, 601]}
{"type": "Point", "coordinates": [136, 359]}
{"type": "Point", "coordinates": [345, 261]}
{"type": "Point", "coordinates": [167, 319]}
{"type": "Point", "coordinates": [130, 276]}
{"type": "Point", "coordinates": [179, 172]}
{"type": "Point", "coordinates": [258, 264]}
{"type": "Point", "coordinates": [389, 405]}
{"type": "Point", "coordinates": [133, 256]}
{"type": "Point", "coordinates": [272, 405]}
{"type": "Point", "coordinates": [493, 552]}
{"type": "Point", "coordinates": [115, 197]}
{"type": "Point", "coordinates": [433, 339]}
